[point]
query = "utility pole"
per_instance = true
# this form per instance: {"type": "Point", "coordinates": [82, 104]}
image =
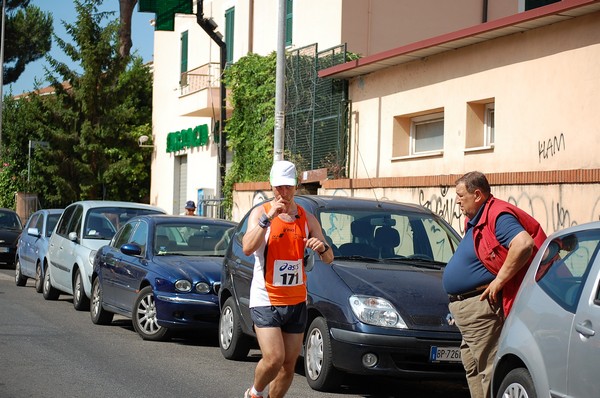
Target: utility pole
{"type": "Point", "coordinates": [280, 85]}
{"type": "Point", "coordinates": [2, 69]}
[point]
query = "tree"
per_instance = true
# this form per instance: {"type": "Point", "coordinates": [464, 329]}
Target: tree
{"type": "Point", "coordinates": [92, 121]}
{"type": "Point", "coordinates": [125, 14]}
{"type": "Point", "coordinates": [27, 37]}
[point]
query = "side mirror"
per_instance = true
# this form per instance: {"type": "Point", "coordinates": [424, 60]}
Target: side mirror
{"type": "Point", "coordinates": [309, 259]}
{"type": "Point", "coordinates": [131, 249]}
{"type": "Point", "coordinates": [34, 232]}
{"type": "Point", "coordinates": [73, 236]}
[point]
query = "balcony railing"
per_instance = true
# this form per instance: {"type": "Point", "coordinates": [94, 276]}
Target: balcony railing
{"type": "Point", "coordinates": [200, 78]}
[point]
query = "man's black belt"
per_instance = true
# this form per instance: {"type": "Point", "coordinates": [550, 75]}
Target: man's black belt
{"type": "Point", "coordinates": [463, 296]}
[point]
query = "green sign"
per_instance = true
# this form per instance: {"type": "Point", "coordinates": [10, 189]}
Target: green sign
{"type": "Point", "coordinates": [187, 138]}
{"type": "Point", "coordinates": [165, 11]}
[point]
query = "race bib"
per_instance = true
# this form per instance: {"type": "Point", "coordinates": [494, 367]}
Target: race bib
{"type": "Point", "coordinates": [287, 273]}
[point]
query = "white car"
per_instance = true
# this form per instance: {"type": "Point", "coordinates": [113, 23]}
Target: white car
{"type": "Point", "coordinates": [82, 229]}
{"type": "Point", "coordinates": [550, 343]}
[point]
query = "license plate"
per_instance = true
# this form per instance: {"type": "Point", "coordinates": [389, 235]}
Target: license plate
{"type": "Point", "coordinates": [444, 354]}
{"type": "Point", "coordinates": [4, 249]}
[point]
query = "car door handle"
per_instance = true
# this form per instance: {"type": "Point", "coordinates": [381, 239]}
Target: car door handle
{"type": "Point", "coordinates": [585, 329]}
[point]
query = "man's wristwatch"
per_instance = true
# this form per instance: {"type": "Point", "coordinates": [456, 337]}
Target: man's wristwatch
{"type": "Point", "coordinates": [325, 251]}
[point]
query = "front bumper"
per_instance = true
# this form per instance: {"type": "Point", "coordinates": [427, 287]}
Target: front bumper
{"type": "Point", "coordinates": [189, 310]}
{"type": "Point", "coordinates": [7, 255]}
{"type": "Point", "coordinates": [400, 356]}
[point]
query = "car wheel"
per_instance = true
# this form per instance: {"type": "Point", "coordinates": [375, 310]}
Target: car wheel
{"type": "Point", "coordinates": [20, 279]}
{"type": "Point", "coordinates": [98, 314]}
{"type": "Point", "coordinates": [232, 340]}
{"type": "Point", "coordinates": [80, 300]}
{"type": "Point", "coordinates": [517, 384]}
{"type": "Point", "coordinates": [318, 361]}
{"type": "Point", "coordinates": [39, 278]}
{"type": "Point", "coordinates": [145, 321]}
{"type": "Point", "coordinates": [49, 292]}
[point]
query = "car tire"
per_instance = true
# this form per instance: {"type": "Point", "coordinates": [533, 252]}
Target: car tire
{"type": "Point", "coordinates": [80, 300]}
{"type": "Point", "coordinates": [49, 292]}
{"type": "Point", "coordinates": [20, 279]}
{"type": "Point", "coordinates": [517, 383]}
{"type": "Point", "coordinates": [98, 314]}
{"type": "Point", "coordinates": [234, 344]}
{"type": "Point", "coordinates": [39, 278]}
{"type": "Point", "coordinates": [144, 318]}
{"type": "Point", "coordinates": [318, 359]}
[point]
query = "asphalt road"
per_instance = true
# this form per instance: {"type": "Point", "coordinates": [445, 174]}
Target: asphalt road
{"type": "Point", "coordinates": [47, 349]}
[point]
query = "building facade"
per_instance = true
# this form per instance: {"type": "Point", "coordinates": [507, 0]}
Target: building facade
{"type": "Point", "coordinates": [505, 87]}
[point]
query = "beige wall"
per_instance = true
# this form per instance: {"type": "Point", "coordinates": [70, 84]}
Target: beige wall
{"type": "Point", "coordinates": [545, 91]}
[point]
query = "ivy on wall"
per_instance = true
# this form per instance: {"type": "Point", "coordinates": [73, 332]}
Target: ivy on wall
{"type": "Point", "coordinates": [251, 81]}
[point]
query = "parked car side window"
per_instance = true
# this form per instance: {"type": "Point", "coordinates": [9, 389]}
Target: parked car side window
{"type": "Point", "coordinates": [39, 223]}
{"type": "Point", "coordinates": [63, 227]}
{"type": "Point", "coordinates": [140, 236]}
{"type": "Point", "coordinates": [565, 266]}
{"type": "Point", "coordinates": [32, 221]}
{"type": "Point", "coordinates": [123, 235]}
{"type": "Point", "coordinates": [75, 223]}
{"type": "Point", "coordinates": [51, 223]}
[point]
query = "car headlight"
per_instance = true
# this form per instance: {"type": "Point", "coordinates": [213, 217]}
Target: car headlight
{"type": "Point", "coordinates": [183, 285]}
{"type": "Point", "coordinates": [202, 287]}
{"type": "Point", "coordinates": [376, 311]}
{"type": "Point", "coordinates": [92, 255]}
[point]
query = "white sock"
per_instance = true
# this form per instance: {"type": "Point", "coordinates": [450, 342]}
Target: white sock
{"type": "Point", "coordinates": [254, 392]}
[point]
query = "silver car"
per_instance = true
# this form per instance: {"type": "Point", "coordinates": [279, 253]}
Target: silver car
{"type": "Point", "coordinates": [82, 229]}
{"type": "Point", "coordinates": [550, 344]}
{"type": "Point", "coordinates": [32, 248]}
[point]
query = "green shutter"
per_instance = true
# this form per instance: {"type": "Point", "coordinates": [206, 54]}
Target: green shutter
{"type": "Point", "coordinates": [184, 52]}
{"type": "Point", "coordinates": [165, 11]}
{"type": "Point", "coordinates": [229, 29]}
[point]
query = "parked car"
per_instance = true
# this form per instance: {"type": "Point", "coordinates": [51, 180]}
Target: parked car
{"type": "Point", "coordinates": [378, 309]}
{"type": "Point", "coordinates": [163, 272]}
{"type": "Point", "coordinates": [83, 228]}
{"type": "Point", "coordinates": [550, 343]}
{"type": "Point", "coordinates": [10, 229]}
{"type": "Point", "coordinates": [32, 248]}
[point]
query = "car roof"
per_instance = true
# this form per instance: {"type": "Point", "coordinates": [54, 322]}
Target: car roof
{"type": "Point", "coordinates": [330, 201]}
{"type": "Point", "coordinates": [113, 203]}
{"type": "Point", "coordinates": [166, 219]}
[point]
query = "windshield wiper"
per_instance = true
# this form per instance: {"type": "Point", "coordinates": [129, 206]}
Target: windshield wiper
{"type": "Point", "coordinates": [417, 261]}
{"type": "Point", "coordinates": [357, 257]}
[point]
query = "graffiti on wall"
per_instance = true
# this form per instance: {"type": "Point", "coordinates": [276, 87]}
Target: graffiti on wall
{"type": "Point", "coordinates": [551, 209]}
{"type": "Point", "coordinates": [550, 147]}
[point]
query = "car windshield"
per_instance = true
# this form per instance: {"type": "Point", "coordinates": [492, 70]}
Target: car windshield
{"type": "Point", "coordinates": [192, 239]}
{"type": "Point", "coordinates": [415, 237]}
{"type": "Point", "coordinates": [103, 223]}
{"type": "Point", "coordinates": [9, 220]}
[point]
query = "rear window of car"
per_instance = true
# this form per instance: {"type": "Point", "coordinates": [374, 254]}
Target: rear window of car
{"type": "Point", "coordinates": [9, 220]}
{"type": "Point", "coordinates": [565, 266]}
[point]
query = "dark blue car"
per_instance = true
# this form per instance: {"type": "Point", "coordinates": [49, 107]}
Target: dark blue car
{"type": "Point", "coordinates": [163, 272]}
{"type": "Point", "coordinates": [378, 309]}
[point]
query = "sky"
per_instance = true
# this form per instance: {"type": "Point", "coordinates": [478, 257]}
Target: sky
{"type": "Point", "coordinates": [142, 35]}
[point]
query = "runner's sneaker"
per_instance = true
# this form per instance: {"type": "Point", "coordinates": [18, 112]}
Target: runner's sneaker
{"type": "Point", "coordinates": [248, 394]}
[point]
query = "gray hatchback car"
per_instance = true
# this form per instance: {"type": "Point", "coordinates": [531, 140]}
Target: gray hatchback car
{"type": "Point", "coordinates": [550, 344]}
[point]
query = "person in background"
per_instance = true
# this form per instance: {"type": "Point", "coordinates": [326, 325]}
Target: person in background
{"type": "Point", "coordinates": [278, 232]}
{"type": "Point", "coordinates": [190, 208]}
{"type": "Point", "coordinates": [484, 274]}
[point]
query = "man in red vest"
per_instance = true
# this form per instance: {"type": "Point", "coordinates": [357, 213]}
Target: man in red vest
{"type": "Point", "coordinates": [484, 274]}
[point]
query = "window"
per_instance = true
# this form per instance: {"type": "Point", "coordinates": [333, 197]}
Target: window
{"type": "Point", "coordinates": [229, 25]}
{"type": "Point", "coordinates": [480, 132]}
{"type": "Point", "coordinates": [488, 129]}
{"type": "Point", "coordinates": [427, 133]}
{"type": "Point", "coordinates": [566, 264]}
{"type": "Point", "coordinates": [289, 9]}
{"type": "Point", "coordinates": [531, 4]}
{"type": "Point", "coordinates": [184, 58]}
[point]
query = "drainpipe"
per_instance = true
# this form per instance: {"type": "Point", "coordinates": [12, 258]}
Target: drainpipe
{"type": "Point", "coordinates": [209, 27]}
{"type": "Point", "coordinates": [484, 18]}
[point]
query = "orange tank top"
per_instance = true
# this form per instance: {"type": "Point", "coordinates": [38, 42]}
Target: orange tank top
{"type": "Point", "coordinates": [285, 278]}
